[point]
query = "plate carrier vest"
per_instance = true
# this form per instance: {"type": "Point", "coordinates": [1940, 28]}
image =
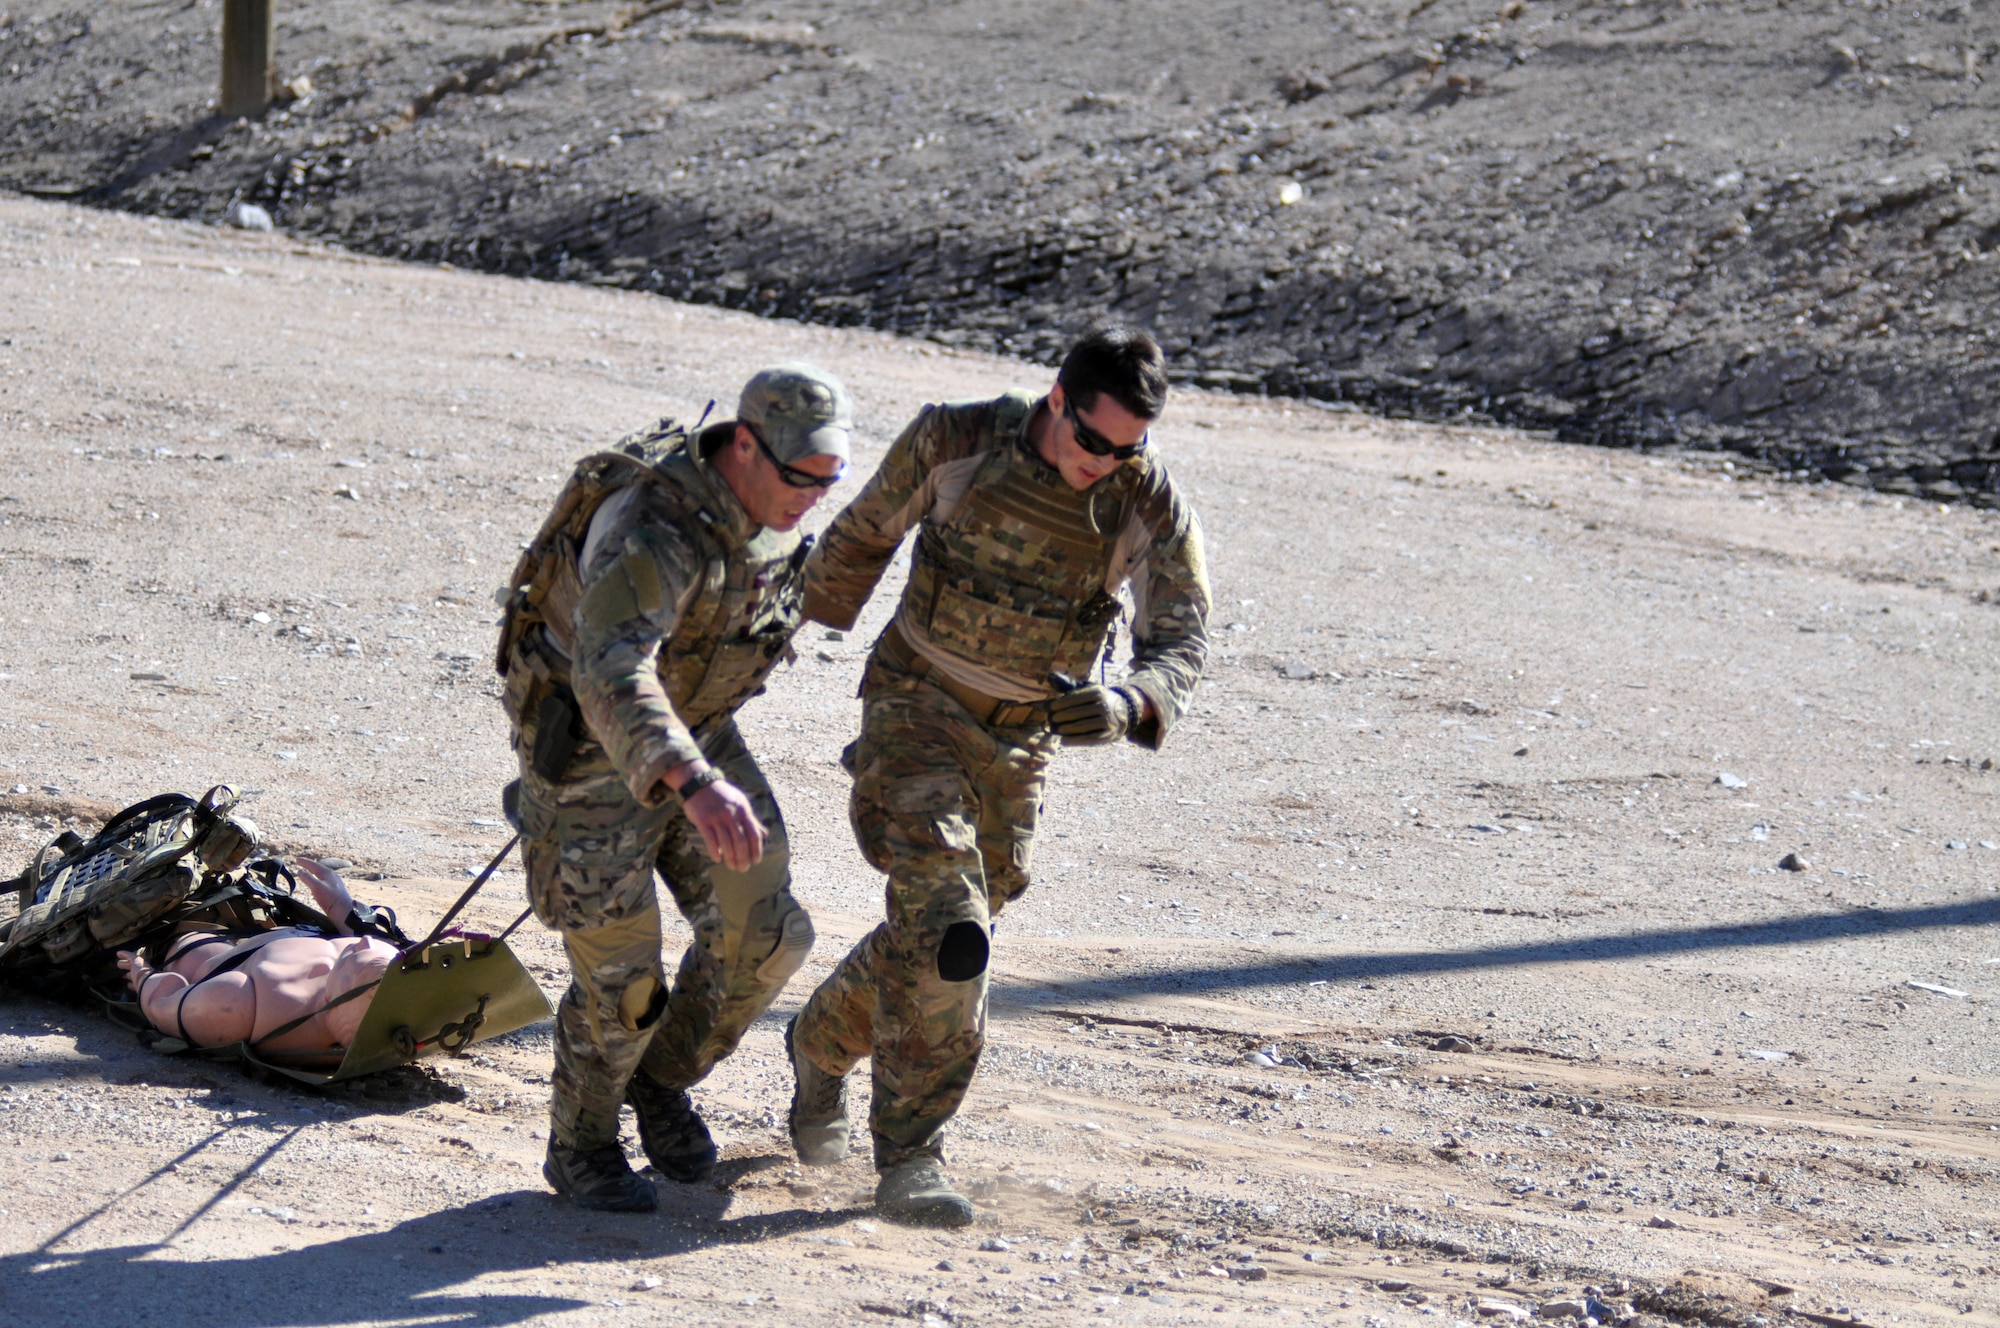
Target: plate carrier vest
{"type": "Point", "coordinates": [1014, 580]}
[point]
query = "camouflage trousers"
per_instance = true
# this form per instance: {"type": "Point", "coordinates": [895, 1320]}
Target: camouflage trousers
{"type": "Point", "coordinates": [947, 807]}
{"type": "Point", "coordinates": [590, 850]}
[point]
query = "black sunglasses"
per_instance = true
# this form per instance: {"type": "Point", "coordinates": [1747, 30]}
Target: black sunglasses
{"type": "Point", "coordinates": [1095, 443]}
{"type": "Point", "coordinates": [792, 475]}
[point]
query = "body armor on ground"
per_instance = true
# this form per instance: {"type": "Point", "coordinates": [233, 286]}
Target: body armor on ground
{"type": "Point", "coordinates": [82, 900]}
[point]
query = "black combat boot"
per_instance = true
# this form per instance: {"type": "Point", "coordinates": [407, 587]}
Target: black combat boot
{"type": "Point", "coordinates": [819, 1107]}
{"type": "Point", "coordinates": [676, 1142]}
{"type": "Point", "coordinates": [598, 1178]}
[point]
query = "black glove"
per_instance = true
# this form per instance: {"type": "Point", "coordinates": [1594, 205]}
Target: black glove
{"type": "Point", "coordinates": [1090, 715]}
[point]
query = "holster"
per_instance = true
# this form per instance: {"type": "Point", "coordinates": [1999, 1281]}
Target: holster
{"type": "Point", "coordinates": [558, 729]}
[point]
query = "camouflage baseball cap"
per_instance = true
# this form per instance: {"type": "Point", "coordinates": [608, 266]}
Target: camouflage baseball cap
{"type": "Point", "coordinates": [800, 409]}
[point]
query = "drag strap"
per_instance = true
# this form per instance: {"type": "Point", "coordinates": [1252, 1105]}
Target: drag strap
{"type": "Point", "coordinates": [466, 898]}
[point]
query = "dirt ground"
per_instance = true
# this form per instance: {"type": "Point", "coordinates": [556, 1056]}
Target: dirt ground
{"type": "Point", "coordinates": [1440, 967]}
{"type": "Point", "coordinates": [1764, 227]}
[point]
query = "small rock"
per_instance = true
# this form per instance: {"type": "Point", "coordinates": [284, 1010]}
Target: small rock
{"type": "Point", "coordinates": [802, 1189]}
{"type": "Point", "coordinates": [1260, 1060]}
{"type": "Point", "coordinates": [1392, 1285]}
{"type": "Point", "coordinates": [1661, 1222]}
{"type": "Point", "coordinates": [348, 492]}
{"type": "Point", "coordinates": [646, 1284]}
{"type": "Point", "coordinates": [1955, 845]}
{"type": "Point", "coordinates": [1758, 1053]}
{"type": "Point", "coordinates": [260, 617]}
{"type": "Point", "coordinates": [1290, 192]}
{"type": "Point", "coordinates": [1730, 781]}
{"type": "Point", "coordinates": [18, 788]}
{"type": "Point", "coordinates": [1501, 1309]}
{"type": "Point", "coordinates": [944, 1266]}
{"type": "Point", "coordinates": [1248, 1272]}
{"type": "Point", "coordinates": [59, 1157]}
{"type": "Point", "coordinates": [1297, 672]}
{"type": "Point", "coordinates": [1794, 863]}
{"type": "Point", "coordinates": [1580, 1206]}
{"type": "Point", "coordinates": [1936, 990]}
{"type": "Point", "coordinates": [995, 1245]}
{"type": "Point", "coordinates": [249, 217]}
{"type": "Point", "coordinates": [1453, 1042]}
{"type": "Point", "coordinates": [297, 88]}
{"type": "Point", "coordinates": [149, 677]}
{"type": "Point", "coordinates": [1564, 1309]}
{"type": "Point", "coordinates": [1520, 751]}
{"type": "Point", "coordinates": [288, 756]}
{"type": "Point", "coordinates": [1472, 707]}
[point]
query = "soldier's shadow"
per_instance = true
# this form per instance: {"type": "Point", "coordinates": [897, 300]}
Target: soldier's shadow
{"type": "Point", "coordinates": [419, 1270]}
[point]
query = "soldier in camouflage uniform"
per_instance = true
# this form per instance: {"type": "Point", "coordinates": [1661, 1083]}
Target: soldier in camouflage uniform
{"type": "Point", "coordinates": [658, 596]}
{"type": "Point", "coordinates": [1031, 515]}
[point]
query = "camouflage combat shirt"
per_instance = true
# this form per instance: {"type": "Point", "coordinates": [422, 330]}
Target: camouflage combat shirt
{"type": "Point", "coordinates": [1014, 572]}
{"type": "Point", "coordinates": [686, 606]}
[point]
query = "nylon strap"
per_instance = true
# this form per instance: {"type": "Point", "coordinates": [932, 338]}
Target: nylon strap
{"type": "Point", "coordinates": [470, 891]}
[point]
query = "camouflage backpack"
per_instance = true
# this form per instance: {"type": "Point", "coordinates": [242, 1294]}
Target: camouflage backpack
{"type": "Point", "coordinates": [705, 676]}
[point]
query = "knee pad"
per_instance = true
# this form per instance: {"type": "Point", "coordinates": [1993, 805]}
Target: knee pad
{"type": "Point", "coordinates": [795, 942]}
{"type": "Point", "coordinates": [963, 952]}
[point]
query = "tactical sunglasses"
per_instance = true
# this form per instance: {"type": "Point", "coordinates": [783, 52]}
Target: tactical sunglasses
{"type": "Point", "coordinates": [792, 475]}
{"type": "Point", "coordinates": [1095, 443]}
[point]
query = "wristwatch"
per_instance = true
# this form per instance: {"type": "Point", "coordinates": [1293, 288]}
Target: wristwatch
{"type": "Point", "coordinates": [695, 783]}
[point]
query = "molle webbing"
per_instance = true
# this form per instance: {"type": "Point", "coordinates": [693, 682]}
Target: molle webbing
{"type": "Point", "coordinates": [544, 586]}
{"type": "Point", "coordinates": [1014, 580]}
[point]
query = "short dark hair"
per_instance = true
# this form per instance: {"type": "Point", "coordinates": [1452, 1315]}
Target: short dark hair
{"type": "Point", "coordinates": [1124, 362]}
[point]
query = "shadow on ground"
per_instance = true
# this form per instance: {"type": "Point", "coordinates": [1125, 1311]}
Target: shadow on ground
{"type": "Point", "coordinates": [414, 1271]}
{"type": "Point", "coordinates": [1296, 968]}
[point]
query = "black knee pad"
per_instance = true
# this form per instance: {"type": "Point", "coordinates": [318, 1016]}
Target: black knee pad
{"type": "Point", "coordinates": [962, 953]}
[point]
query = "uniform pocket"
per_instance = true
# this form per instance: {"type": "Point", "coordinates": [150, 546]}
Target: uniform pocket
{"type": "Point", "coordinates": [735, 673]}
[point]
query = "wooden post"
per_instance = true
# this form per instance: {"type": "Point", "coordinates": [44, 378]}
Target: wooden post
{"type": "Point", "coordinates": [246, 57]}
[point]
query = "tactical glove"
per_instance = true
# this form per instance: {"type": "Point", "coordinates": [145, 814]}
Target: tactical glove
{"type": "Point", "coordinates": [1091, 715]}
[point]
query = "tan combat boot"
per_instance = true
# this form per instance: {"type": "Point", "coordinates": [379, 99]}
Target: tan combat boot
{"type": "Point", "coordinates": [916, 1194]}
{"type": "Point", "coordinates": [819, 1107]}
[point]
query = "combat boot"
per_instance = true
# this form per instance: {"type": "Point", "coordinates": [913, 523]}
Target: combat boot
{"type": "Point", "coordinates": [676, 1141]}
{"type": "Point", "coordinates": [598, 1178]}
{"type": "Point", "coordinates": [916, 1194]}
{"type": "Point", "coordinates": [819, 1107]}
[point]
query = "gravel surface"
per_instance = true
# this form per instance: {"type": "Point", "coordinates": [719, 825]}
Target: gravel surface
{"type": "Point", "coordinates": [1443, 959]}
{"type": "Point", "coordinates": [1764, 228]}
